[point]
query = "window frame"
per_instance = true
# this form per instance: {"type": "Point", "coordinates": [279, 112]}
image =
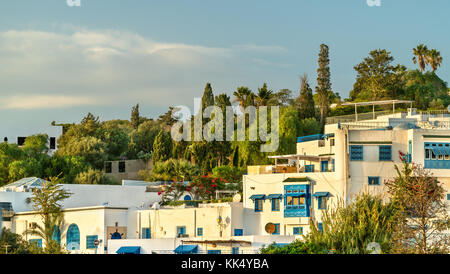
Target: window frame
{"type": "Point", "coordinates": [378, 179]}
{"type": "Point", "coordinates": [356, 150]}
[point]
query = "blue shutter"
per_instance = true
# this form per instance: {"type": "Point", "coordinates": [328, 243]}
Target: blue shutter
{"type": "Point", "coordinates": [235, 250]}
{"type": "Point", "coordinates": [277, 229]}
{"type": "Point", "coordinates": [385, 153]}
{"type": "Point", "coordinates": [200, 231]}
{"type": "Point", "coordinates": [319, 203]}
{"type": "Point", "coordinates": [238, 232]}
{"type": "Point", "coordinates": [90, 241]}
{"type": "Point", "coordinates": [320, 227]}
{"type": "Point", "coordinates": [146, 233]}
{"type": "Point", "coordinates": [356, 153]}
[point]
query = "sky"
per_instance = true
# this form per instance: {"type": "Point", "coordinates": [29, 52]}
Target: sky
{"type": "Point", "coordinates": [58, 62]}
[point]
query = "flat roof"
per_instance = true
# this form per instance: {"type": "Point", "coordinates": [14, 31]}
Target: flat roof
{"type": "Point", "coordinates": [299, 157]}
{"type": "Point", "coordinates": [74, 209]}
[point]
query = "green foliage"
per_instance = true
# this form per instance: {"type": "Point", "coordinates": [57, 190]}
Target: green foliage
{"type": "Point", "coordinates": [46, 202]}
{"type": "Point", "coordinates": [135, 117]}
{"type": "Point", "coordinates": [323, 88]}
{"type": "Point", "coordinates": [231, 174]}
{"type": "Point", "coordinates": [305, 101]}
{"type": "Point", "coordinates": [171, 170]}
{"type": "Point", "coordinates": [162, 147]}
{"type": "Point", "coordinates": [93, 177]}
{"type": "Point", "coordinates": [90, 148]}
{"type": "Point", "coordinates": [350, 229]}
{"type": "Point", "coordinates": [16, 244]}
{"type": "Point", "coordinates": [35, 145]}
{"type": "Point", "coordinates": [297, 247]}
{"type": "Point", "coordinates": [423, 217]}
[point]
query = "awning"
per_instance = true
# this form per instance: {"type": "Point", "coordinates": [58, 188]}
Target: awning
{"type": "Point", "coordinates": [274, 196]}
{"type": "Point", "coordinates": [438, 150]}
{"type": "Point", "coordinates": [186, 249]}
{"type": "Point", "coordinates": [321, 194]}
{"type": "Point", "coordinates": [296, 180]}
{"type": "Point", "coordinates": [257, 196]}
{"type": "Point", "coordinates": [129, 250]}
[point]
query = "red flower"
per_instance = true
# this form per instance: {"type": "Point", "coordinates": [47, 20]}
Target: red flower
{"type": "Point", "coordinates": [159, 193]}
{"type": "Point", "coordinates": [213, 185]}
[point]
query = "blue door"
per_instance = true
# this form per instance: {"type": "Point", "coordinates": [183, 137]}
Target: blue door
{"type": "Point", "coordinates": [324, 166]}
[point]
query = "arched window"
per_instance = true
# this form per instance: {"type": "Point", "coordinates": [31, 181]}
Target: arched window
{"type": "Point", "coordinates": [116, 236]}
{"type": "Point", "coordinates": [73, 237]}
{"type": "Point", "coordinates": [56, 234]}
{"type": "Point", "coordinates": [187, 197]}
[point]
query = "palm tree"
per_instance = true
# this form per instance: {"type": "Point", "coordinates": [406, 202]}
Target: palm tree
{"type": "Point", "coordinates": [264, 96]}
{"type": "Point", "coordinates": [434, 58]}
{"type": "Point", "coordinates": [420, 52]}
{"type": "Point", "coordinates": [244, 96]}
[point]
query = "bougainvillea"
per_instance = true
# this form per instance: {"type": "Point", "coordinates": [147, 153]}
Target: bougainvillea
{"type": "Point", "coordinates": [205, 186]}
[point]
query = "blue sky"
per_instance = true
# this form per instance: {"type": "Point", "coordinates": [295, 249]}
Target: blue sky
{"type": "Point", "coordinates": [59, 62]}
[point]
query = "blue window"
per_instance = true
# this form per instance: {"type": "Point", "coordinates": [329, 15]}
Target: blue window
{"type": "Point", "coordinates": [298, 230]}
{"type": "Point", "coordinates": [187, 198]}
{"type": "Point", "coordinates": [324, 166]}
{"type": "Point", "coordinates": [214, 252]}
{"type": "Point", "coordinates": [276, 204]}
{"type": "Point", "coordinates": [320, 227]}
{"type": "Point", "coordinates": [200, 231]}
{"type": "Point", "coordinates": [37, 242]}
{"type": "Point", "coordinates": [90, 241]}
{"type": "Point", "coordinates": [385, 153]}
{"type": "Point", "coordinates": [448, 197]}
{"type": "Point", "coordinates": [356, 153]}
{"type": "Point", "coordinates": [374, 181]}
{"type": "Point", "coordinates": [259, 205]}
{"type": "Point", "coordinates": [277, 229]}
{"type": "Point", "coordinates": [238, 232]}
{"type": "Point", "coordinates": [146, 233]}
{"type": "Point", "coordinates": [181, 230]}
{"type": "Point", "coordinates": [235, 250]}
{"type": "Point", "coordinates": [332, 165]}
{"type": "Point", "coordinates": [297, 201]}
{"type": "Point", "coordinates": [437, 155]}
{"type": "Point", "coordinates": [56, 234]}
{"type": "Point", "coordinates": [322, 202]}
{"type": "Point", "coordinates": [309, 168]}
{"type": "Point", "coordinates": [73, 237]}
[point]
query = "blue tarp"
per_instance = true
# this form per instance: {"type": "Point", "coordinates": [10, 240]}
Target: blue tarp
{"type": "Point", "coordinates": [129, 250]}
{"type": "Point", "coordinates": [257, 196]}
{"type": "Point", "coordinates": [186, 249]}
{"type": "Point", "coordinates": [321, 194]}
{"type": "Point", "coordinates": [274, 196]}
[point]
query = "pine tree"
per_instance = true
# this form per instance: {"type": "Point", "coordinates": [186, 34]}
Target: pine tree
{"type": "Point", "coordinates": [323, 87]}
{"type": "Point", "coordinates": [135, 118]}
{"type": "Point", "coordinates": [162, 147]}
{"type": "Point", "coordinates": [305, 101]}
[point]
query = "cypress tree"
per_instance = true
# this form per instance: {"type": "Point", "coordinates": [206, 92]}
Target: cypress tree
{"type": "Point", "coordinates": [323, 88]}
{"type": "Point", "coordinates": [162, 147]}
{"type": "Point", "coordinates": [135, 118]}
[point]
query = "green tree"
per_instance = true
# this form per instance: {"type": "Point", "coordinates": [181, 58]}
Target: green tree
{"type": "Point", "coordinates": [135, 117]}
{"type": "Point", "coordinates": [208, 97]}
{"type": "Point", "coordinates": [36, 144]}
{"type": "Point", "coordinates": [323, 87]}
{"type": "Point", "coordinates": [264, 97]}
{"type": "Point", "coordinates": [90, 148]}
{"type": "Point", "coordinates": [244, 96]}
{"type": "Point", "coordinates": [162, 147]}
{"type": "Point", "coordinates": [15, 244]}
{"type": "Point", "coordinates": [305, 100]}
{"type": "Point", "coordinates": [434, 59]}
{"type": "Point", "coordinates": [377, 78]}
{"type": "Point", "coordinates": [46, 202]}
{"type": "Point", "coordinates": [420, 56]}
{"type": "Point", "coordinates": [423, 217]}
{"type": "Point", "coordinates": [92, 177]}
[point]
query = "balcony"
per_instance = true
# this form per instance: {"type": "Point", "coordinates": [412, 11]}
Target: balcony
{"type": "Point", "coordinates": [309, 164]}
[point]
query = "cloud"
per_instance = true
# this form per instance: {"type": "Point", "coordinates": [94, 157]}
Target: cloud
{"type": "Point", "coordinates": [28, 102]}
{"type": "Point", "coordinates": [40, 69]}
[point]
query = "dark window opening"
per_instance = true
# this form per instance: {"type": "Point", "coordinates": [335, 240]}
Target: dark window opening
{"type": "Point", "coordinates": [21, 141]}
{"type": "Point", "coordinates": [121, 167]}
{"type": "Point", "coordinates": [52, 143]}
{"type": "Point", "coordinates": [108, 167]}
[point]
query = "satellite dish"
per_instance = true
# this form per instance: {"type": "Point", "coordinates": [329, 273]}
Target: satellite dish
{"type": "Point", "coordinates": [270, 228]}
{"type": "Point", "coordinates": [237, 198]}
